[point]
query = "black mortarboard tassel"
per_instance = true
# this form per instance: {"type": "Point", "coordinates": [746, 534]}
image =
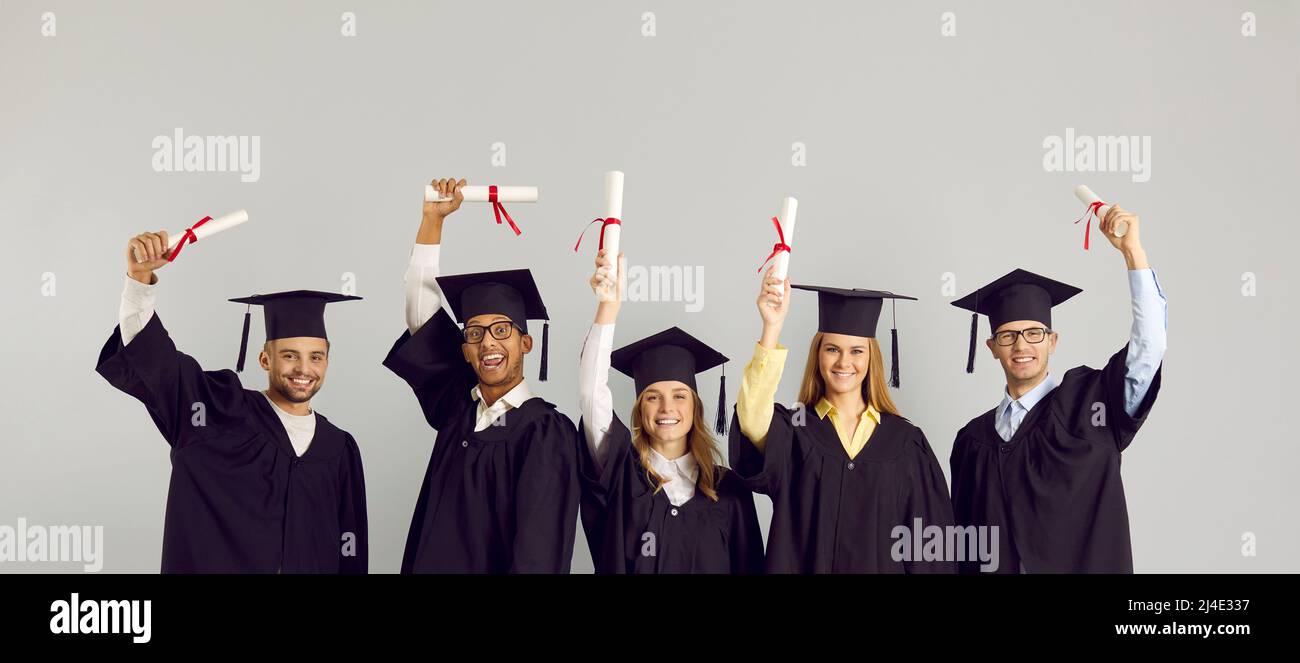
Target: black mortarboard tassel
{"type": "Point", "coordinates": [243, 339]}
{"type": "Point", "coordinates": [970, 356]}
{"type": "Point", "coordinates": [546, 329]}
{"type": "Point", "coordinates": [893, 348]}
{"type": "Point", "coordinates": [721, 424]}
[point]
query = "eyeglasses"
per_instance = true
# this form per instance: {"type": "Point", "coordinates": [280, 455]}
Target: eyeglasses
{"type": "Point", "coordinates": [1032, 335]}
{"type": "Point", "coordinates": [474, 334]}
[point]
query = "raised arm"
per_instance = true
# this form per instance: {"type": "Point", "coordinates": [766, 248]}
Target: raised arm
{"type": "Point", "coordinates": [1147, 337]}
{"type": "Point", "coordinates": [423, 296]}
{"type": "Point", "coordinates": [763, 373]}
{"type": "Point", "coordinates": [140, 359]}
{"type": "Point", "coordinates": [594, 398]}
{"type": "Point", "coordinates": [145, 253]}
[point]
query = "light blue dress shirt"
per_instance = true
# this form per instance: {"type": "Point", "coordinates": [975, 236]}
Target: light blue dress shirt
{"type": "Point", "coordinates": [1146, 349]}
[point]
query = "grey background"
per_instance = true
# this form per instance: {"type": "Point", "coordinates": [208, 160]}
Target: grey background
{"type": "Point", "coordinates": [924, 157]}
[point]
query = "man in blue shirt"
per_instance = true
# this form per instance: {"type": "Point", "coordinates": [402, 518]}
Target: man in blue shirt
{"type": "Point", "coordinates": [1044, 465]}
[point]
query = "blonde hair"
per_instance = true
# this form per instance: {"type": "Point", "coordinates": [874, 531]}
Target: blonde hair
{"type": "Point", "coordinates": [875, 388]}
{"type": "Point", "coordinates": [699, 444]}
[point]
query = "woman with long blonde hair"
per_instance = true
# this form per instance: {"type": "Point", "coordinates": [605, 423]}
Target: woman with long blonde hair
{"type": "Point", "coordinates": [656, 498]}
{"type": "Point", "coordinates": [854, 485]}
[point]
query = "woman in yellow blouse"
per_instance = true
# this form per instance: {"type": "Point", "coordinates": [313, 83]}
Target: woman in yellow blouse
{"type": "Point", "coordinates": [853, 483]}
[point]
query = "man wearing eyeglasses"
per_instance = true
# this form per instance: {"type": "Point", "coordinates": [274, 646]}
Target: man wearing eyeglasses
{"type": "Point", "coordinates": [501, 491]}
{"type": "Point", "coordinates": [1044, 465]}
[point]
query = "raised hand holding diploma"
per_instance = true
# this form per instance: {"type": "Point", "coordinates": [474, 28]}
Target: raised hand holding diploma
{"type": "Point", "coordinates": [608, 287]}
{"type": "Point", "coordinates": [442, 197]}
{"type": "Point", "coordinates": [482, 194]}
{"type": "Point", "coordinates": [773, 305]}
{"type": "Point", "coordinates": [145, 253]}
{"type": "Point", "coordinates": [1130, 243]}
{"type": "Point", "coordinates": [1096, 209]}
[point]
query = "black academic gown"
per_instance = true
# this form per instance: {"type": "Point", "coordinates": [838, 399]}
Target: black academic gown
{"type": "Point", "coordinates": [1054, 490]}
{"type": "Point", "coordinates": [504, 499]}
{"type": "Point", "coordinates": [632, 528]}
{"type": "Point", "coordinates": [241, 499]}
{"type": "Point", "coordinates": [835, 514]}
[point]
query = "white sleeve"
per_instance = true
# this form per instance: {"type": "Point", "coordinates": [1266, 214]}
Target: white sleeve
{"type": "Point", "coordinates": [423, 296]}
{"type": "Point", "coordinates": [594, 398]}
{"type": "Point", "coordinates": [136, 308]}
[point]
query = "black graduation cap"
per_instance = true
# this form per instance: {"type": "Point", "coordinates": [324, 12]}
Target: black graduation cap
{"type": "Point", "coordinates": [855, 312]}
{"type": "Point", "coordinates": [672, 354]}
{"type": "Point", "coordinates": [289, 315]}
{"type": "Point", "coordinates": [1019, 295]}
{"type": "Point", "coordinates": [512, 293]}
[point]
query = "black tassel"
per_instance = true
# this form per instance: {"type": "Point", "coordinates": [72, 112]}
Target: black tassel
{"type": "Point", "coordinates": [974, 328]}
{"type": "Point", "coordinates": [546, 334]}
{"type": "Point", "coordinates": [893, 344]}
{"type": "Point", "coordinates": [721, 425]}
{"type": "Point", "coordinates": [243, 341]}
{"type": "Point", "coordinates": [893, 352]}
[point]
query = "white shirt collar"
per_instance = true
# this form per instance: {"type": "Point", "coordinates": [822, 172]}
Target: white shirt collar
{"type": "Point", "coordinates": [485, 415]}
{"type": "Point", "coordinates": [680, 474]}
{"type": "Point", "coordinates": [1031, 397]}
{"type": "Point", "coordinates": [514, 398]}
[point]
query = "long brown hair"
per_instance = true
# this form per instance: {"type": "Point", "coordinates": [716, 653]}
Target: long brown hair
{"type": "Point", "coordinates": [699, 444]}
{"type": "Point", "coordinates": [875, 388]}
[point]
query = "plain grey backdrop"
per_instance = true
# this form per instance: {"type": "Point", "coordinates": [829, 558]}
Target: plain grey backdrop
{"type": "Point", "coordinates": [924, 158]}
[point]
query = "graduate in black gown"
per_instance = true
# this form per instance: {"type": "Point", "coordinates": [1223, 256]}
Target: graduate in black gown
{"type": "Point", "coordinates": [854, 485]}
{"type": "Point", "coordinates": [1044, 465]}
{"type": "Point", "coordinates": [501, 490]}
{"type": "Point", "coordinates": [657, 498]}
{"type": "Point", "coordinates": [260, 482]}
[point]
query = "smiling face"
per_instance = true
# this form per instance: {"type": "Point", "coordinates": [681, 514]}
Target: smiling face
{"type": "Point", "coordinates": [667, 410]}
{"type": "Point", "coordinates": [1023, 362]}
{"type": "Point", "coordinates": [296, 366]}
{"type": "Point", "coordinates": [843, 362]}
{"type": "Point", "coordinates": [497, 362]}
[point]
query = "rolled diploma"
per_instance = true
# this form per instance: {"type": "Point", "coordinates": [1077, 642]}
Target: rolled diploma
{"type": "Point", "coordinates": [216, 225]}
{"type": "Point", "coordinates": [789, 208]}
{"type": "Point", "coordinates": [479, 194]}
{"type": "Point", "coordinates": [613, 210]}
{"type": "Point", "coordinates": [1083, 193]}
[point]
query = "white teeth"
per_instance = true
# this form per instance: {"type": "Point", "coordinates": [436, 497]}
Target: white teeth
{"type": "Point", "coordinates": [1022, 360]}
{"type": "Point", "coordinates": [492, 357]}
{"type": "Point", "coordinates": [843, 375]}
{"type": "Point", "coordinates": [667, 422]}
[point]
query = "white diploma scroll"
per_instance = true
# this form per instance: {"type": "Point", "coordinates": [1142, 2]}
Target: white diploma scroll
{"type": "Point", "coordinates": [217, 224]}
{"type": "Point", "coordinates": [1085, 195]}
{"type": "Point", "coordinates": [789, 209]}
{"type": "Point", "coordinates": [613, 210]}
{"type": "Point", "coordinates": [479, 194]}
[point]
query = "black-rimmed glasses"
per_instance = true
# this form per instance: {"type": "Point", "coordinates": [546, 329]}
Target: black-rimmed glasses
{"type": "Point", "coordinates": [1032, 335]}
{"type": "Point", "coordinates": [474, 334]}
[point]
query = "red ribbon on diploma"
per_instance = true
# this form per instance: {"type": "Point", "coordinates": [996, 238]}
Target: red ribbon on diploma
{"type": "Point", "coordinates": [499, 209]}
{"type": "Point", "coordinates": [778, 247]}
{"type": "Point", "coordinates": [1089, 214]}
{"type": "Point", "coordinates": [188, 237]}
{"type": "Point", "coordinates": [611, 221]}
